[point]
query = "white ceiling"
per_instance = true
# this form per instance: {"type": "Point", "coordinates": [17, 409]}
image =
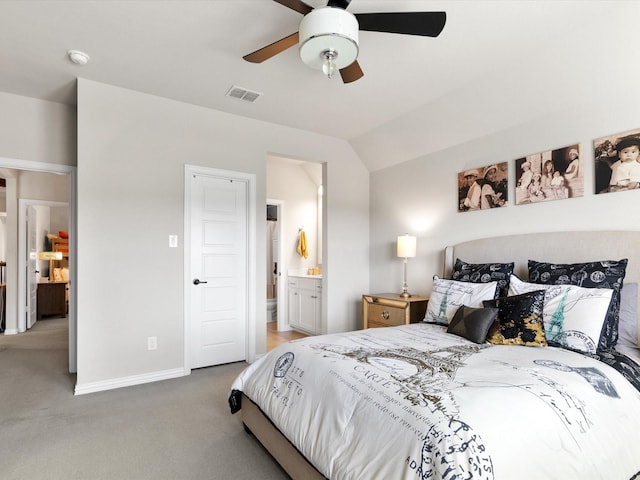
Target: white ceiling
{"type": "Point", "coordinates": [192, 51]}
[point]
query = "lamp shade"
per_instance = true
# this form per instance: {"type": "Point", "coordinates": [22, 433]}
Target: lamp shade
{"type": "Point", "coordinates": [406, 246]}
{"type": "Point", "coordinates": [328, 30]}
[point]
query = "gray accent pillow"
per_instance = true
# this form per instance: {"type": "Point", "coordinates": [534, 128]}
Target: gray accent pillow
{"type": "Point", "coordinates": [472, 323]}
{"type": "Point", "coordinates": [628, 328]}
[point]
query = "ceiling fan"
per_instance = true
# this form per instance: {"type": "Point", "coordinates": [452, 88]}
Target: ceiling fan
{"type": "Point", "coordinates": [328, 36]}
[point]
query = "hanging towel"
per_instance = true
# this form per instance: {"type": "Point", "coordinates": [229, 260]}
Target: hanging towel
{"type": "Point", "coordinates": [302, 245]}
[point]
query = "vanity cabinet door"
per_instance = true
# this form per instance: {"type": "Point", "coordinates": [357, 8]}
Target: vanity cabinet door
{"type": "Point", "coordinates": [305, 305]}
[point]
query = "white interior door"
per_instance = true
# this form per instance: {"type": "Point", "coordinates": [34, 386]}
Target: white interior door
{"type": "Point", "coordinates": [32, 263]}
{"type": "Point", "coordinates": [219, 283]}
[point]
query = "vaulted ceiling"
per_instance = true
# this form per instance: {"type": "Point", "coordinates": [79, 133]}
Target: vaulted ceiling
{"type": "Point", "coordinates": [192, 51]}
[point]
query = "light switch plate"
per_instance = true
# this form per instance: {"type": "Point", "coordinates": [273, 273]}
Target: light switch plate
{"type": "Point", "coordinates": [173, 241]}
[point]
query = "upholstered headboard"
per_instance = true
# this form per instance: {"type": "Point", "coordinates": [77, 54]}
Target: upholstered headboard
{"type": "Point", "coordinates": [560, 247]}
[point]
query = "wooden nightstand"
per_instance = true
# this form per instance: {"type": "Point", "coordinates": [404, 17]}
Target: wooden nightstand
{"type": "Point", "coordinates": [391, 309]}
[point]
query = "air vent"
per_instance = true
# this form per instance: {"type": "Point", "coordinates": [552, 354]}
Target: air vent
{"type": "Point", "coordinates": [243, 94]}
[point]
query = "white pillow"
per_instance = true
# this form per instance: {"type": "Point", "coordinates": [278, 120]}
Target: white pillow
{"type": "Point", "coordinates": [573, 316]}
{"type": "Point", "coordinates": [449, 295]}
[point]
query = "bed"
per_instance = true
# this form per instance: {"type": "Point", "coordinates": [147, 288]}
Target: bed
{"type": "Point", "coordinates": [433, 400]}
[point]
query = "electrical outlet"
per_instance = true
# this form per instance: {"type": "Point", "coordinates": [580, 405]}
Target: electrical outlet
{"type": "Point", "coordinates": [173, 241]}
{"type": "Point", "coordinates": [152, 343]}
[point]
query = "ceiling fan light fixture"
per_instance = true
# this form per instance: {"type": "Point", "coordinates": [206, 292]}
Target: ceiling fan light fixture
{"type": "Point", "coordinates": [329, 39]}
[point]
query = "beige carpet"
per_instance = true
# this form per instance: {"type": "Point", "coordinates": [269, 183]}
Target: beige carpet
{"type": "Point", "coordinates": [175, 429]}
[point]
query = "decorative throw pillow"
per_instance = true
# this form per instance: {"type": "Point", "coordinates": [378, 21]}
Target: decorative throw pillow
{"type": "Point", "coordinates": [573, 316]}
{"type": "Point", "coordinates": [603, 274]}
{"type": "Point", "coordinates": [519, 320]}
{"type": "Point", "coordinates": [472, 323]}
{"type": "Point", "coordinates": [448, 295]}
{"type": "Point", "coordinates": [483, 273]}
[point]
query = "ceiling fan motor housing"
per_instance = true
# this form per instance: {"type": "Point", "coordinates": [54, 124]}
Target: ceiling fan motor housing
{"type": "Point", "coordinates": [328, 29]}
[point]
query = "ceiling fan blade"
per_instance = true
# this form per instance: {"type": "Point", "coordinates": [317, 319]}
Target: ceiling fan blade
{"type": "Point", "coordinates": [427, 24]}
{"type": "Point", "coordinates": [297, 5]}
{"type": "Point", "coordinates": [265, 53]}
{"type": "Point", "coordinates": [339, 3]}
{"type": "Point", "coordinates": [351, 73]}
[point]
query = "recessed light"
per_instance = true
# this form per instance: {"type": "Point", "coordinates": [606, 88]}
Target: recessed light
{"type": "Point", "coordinates": [78, 57]}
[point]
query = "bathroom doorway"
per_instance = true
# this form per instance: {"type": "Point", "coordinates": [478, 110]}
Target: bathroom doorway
{"type": "Point", "coordinates": [293, 188]}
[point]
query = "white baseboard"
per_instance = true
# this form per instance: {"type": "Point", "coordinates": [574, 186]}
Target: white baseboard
{"type": "Point", "coordinates": [11, 331]}
{"type": "Point", "coordinates": [113, 383]}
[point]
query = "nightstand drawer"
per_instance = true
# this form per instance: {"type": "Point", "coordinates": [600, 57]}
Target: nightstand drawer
{"type": "Point", "coordinates": [390, 309]}
{"type": "Point", "coordinates": [385, 315]}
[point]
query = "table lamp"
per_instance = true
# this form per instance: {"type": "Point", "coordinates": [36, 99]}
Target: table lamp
{"type": "Point", "coordinates": [406, 249]}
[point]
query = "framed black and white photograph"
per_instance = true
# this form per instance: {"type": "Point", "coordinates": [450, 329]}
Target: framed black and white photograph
{"type": "Point", "coordinates": [550, 175]}
{"type": "Point", "coordinates": [483, 188]}
{"type": "Point", "coordinates": [617, 162]}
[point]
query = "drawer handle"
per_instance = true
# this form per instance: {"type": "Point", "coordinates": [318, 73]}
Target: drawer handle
{"type": "Point", "coordinates": [385, 315]}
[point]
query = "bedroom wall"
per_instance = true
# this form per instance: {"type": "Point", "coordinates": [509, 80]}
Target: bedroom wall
{"type": "Point", "coordinates": [36, 130]}
{"type": "Point", "coordinates": [132, 148]}
{"type": "Point", "coordinates": [420, 195]}
{"type": "Point", "coordinates": [587, 90]}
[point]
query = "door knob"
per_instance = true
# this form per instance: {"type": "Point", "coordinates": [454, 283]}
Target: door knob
{"type": "Point", "coordinates": [197, 281]}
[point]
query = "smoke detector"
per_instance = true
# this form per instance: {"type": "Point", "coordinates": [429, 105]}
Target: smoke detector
{"type": "Point", "coordinates": [78, 57]}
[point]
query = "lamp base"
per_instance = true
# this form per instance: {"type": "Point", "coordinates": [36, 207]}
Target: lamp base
{"type": "Point", "coordinates": [405, 294]}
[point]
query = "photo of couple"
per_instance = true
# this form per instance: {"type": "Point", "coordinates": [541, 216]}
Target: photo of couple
{"type": "Point", "coordinates": [483, 188]}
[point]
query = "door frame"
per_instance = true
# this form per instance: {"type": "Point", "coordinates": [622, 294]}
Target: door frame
{"type": "Point", "coordinates": [250, 179]}
{"type": "Point", "coordinates": [282, 323]}
{"type": "Point", "coordinates": [12, 274]}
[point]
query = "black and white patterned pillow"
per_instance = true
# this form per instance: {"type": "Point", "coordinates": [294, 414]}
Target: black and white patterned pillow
{"type": "Point", "coordinates": [602, 274]}
{"type": "Point", "coordinates": [484, 273]}
{"type": "Point", "coordinates": [448, 295]}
